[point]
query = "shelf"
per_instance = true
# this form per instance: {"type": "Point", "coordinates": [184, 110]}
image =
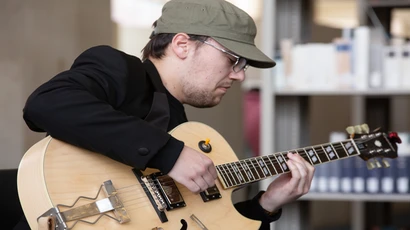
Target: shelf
{"type": "Point", "coordinates": [389, 3]}
{"type": "Point", "coordinates": [341, 92]}
{"type": "Point", "coordinates": [357, 197]}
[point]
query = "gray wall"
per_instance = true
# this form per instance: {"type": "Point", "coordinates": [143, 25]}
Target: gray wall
{"type": "Point", "coordinates": [40, 39]}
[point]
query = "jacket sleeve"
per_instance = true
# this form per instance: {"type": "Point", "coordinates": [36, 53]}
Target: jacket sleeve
{"type": "Point", "coordinates": [80, 107]}
{"type": "Point", "coordinates": [253, 210]}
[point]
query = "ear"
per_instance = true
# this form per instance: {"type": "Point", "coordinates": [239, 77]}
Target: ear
{"type": "Point", "coordinates": [181, 44]}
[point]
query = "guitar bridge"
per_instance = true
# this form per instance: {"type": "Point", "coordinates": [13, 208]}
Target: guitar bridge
{"type": "Point", "coordinates": [99, 207]}
{"type": "Point", "coordinates": [162, 192]}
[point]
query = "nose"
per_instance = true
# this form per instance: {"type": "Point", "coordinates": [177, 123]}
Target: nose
{"type": "Point", "coordinates": [239, 76]}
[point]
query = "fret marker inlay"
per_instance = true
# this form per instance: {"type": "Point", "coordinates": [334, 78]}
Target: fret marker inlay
{"type": "Point", "coordinates": [312, 156]}
{"type": "Point", "coordinates": [349, 148]}
{"type": "Point", "coordinates": [263, 166]}
{"type": "Point", "coordinates": [330, 151]}
{"type": "Point", "coordinates": [238, 174]}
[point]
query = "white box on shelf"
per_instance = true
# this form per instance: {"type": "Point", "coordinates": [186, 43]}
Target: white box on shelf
{"type": "Point", "coordinates": [391, 66]}
{"type": "Point", "coordinates": [405, 67]}
{"type": "Point", "coordinates": [361, 52]}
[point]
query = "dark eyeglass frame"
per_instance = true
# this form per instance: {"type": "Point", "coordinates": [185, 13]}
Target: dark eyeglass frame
{"type": "Point", "coordinates": [240, 64]}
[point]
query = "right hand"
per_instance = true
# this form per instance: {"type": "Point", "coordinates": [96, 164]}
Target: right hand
{"type": "Point", "coordinates": [194, 170]}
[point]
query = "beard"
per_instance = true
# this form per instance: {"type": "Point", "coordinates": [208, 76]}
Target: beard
{"type": "Point", "coordinates": [200, 98]}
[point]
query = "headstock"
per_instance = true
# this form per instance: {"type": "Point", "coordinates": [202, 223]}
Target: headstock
{"type": "Point", "coordinates": [375, 144]}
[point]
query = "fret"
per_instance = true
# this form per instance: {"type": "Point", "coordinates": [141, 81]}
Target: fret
{"type": "Point", "coordinates": [312, 160]}
{"type": "Point", "coordinates": [247, 170]}
{"type": "Point", "coordinates": [321, 154]}
{"type": "Point", "coordinates": [350, 149]}
{"type": "Point", "coordinates": [252, 169]}
{"type": "Point", "coordinates": [285, 163]}
{"type": "Point", "coordinates": [278, 162]}
{"type": "Point", "coordinates": [332, 147]}
{"type": "Point", "coordinates": [233, 173]}
{"type": "Point", "coordinates": [275, 164]}
{"type": "Point", "coordinates": [313, 155]}
{"type": "Point", "coordinates": [223, 175]}
{"type": "Point", "coordinates": [282, 161]}
{"type": "Point", "coordinates": [330, 153]}
{"type": "Point", "coordinates": [257, 168]}
{"type": "Point", "coordinates": [270, 165]}
{"type": "Point", "coordinates": [340, 149]}
{"type": "Point", "coordinates": [230, 184]}
{"type": "Point", "coordinates": [241, 171]}
{"type": "Point", "coordinates": [302, 154]}
{"type": "Point", "coordinates": [263, 166]}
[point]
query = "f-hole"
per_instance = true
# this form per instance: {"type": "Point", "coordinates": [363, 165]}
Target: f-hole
{"type": "Point", "coordinates": [184, 224]}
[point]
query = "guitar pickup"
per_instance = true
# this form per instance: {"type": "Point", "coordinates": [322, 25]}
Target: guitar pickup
{"type": "Point", "coordinates": [211, 193]}
{"type": "Point", "coordinates": [169, 190]}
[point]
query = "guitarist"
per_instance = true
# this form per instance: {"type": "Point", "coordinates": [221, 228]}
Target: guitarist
{"type": "Point", "coordinates": [123, 107]}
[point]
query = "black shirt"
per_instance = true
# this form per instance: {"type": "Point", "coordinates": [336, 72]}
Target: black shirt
{"type": "Point", "coordinates": [100, 105]}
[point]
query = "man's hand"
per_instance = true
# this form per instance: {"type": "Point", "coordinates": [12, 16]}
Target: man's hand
{"type": "Point", "coordinates": [290, 186]}
{"type": "Point", "coordinates": [194, 170]}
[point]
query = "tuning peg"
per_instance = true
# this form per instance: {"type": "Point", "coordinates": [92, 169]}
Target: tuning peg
{"type": "Point", "coordinates": [386, 164]}
{"type": "Point", "coordinates": [365, 128]}
{"type": "Point", "coordinates": [370, 165]}
{"type": "Point", "coordinates": [378, 165]}
{"type": "Point", "coordinates": [358, 129]}
{"type": "Point", "coordinates": [350, 130]}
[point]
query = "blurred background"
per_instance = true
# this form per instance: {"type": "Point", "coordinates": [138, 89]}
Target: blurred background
{"type": "Point", "coordinates": [339, 63]}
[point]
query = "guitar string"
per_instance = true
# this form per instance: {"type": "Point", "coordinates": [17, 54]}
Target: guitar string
{"type": "Point", "coordinates": [135, 190]}
{"type": "Point", "coordinates": [130, 201]}
{"type": "Point", "coordinates": [318, 149]}
{"type": "Point", "coordinates": [266, 159]}
{"type": "Point", "coordinates": [136, 203]}
{"type": "Point", "coordinates": [300, 152]}
{"type": "Point", "coordinates": [143, 201]}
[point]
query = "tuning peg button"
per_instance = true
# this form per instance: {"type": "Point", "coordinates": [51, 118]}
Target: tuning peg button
{"type": "Point", "coordinates": [350, 130]}
{"type": "Point", "coordinates": [358, 129]}
{"type": "Point", "coordinates": [378, 165]}
{"type": "Point", "coordinates": [365, 128]}
{"type": "Point", "coordinates": [370, 165]}
{"type": "Point", "coordinates": [386, 164]}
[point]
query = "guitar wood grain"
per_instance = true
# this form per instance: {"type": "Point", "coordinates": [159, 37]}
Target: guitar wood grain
{"type": "Point", "coordinates": [53, 172]}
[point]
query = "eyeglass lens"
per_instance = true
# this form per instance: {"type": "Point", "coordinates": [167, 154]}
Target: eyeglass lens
{"type": "Point", "coordinates": [240, 65]}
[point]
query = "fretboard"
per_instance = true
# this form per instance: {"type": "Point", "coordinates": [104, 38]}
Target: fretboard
{"type": "Point", "coordinates": [258, 168]}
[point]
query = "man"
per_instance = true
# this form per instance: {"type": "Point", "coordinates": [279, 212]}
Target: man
{"type": "Point", "coordinates": [117, 105]}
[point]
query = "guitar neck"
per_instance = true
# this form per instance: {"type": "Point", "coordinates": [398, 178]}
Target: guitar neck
{"type": "Point", "coordinates": [253, 169]}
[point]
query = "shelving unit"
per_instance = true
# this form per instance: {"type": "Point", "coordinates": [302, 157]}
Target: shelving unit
{"type": "Point", "coordinates": [293, 102]}
{"type": "Point", "coordinates": [357, 197]}
{"type": "Point", "coordinates": [342, 92]}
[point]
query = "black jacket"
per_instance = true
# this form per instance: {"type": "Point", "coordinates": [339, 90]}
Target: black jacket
{"type": "Point", "coordinates": [100, 104]}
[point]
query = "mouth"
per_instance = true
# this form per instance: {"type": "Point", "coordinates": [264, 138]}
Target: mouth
{"type": "Point", "coordinates": [224, 88]}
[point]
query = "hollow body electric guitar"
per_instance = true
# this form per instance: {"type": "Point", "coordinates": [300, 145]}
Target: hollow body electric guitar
{"type": "Point", "coordinates": [66, 187]}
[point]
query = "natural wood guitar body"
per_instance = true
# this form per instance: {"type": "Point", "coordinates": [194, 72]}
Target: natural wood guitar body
{"type": "Point", "coordinates": [53, 172]}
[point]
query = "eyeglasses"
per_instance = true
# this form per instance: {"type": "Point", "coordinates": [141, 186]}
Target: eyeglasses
{"type": "Point", "coordinates": [240, 64]}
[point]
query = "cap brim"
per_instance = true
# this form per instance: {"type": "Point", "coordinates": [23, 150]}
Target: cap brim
{"type": "Point", "coordinates": [250, 52]}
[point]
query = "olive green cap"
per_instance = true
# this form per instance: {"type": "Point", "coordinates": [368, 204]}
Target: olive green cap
{"type": "Point", "coordinates": [224, 22]}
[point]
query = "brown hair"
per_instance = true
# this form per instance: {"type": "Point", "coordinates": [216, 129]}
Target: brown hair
{"type": "Point", "coordinates": [159, 42]}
